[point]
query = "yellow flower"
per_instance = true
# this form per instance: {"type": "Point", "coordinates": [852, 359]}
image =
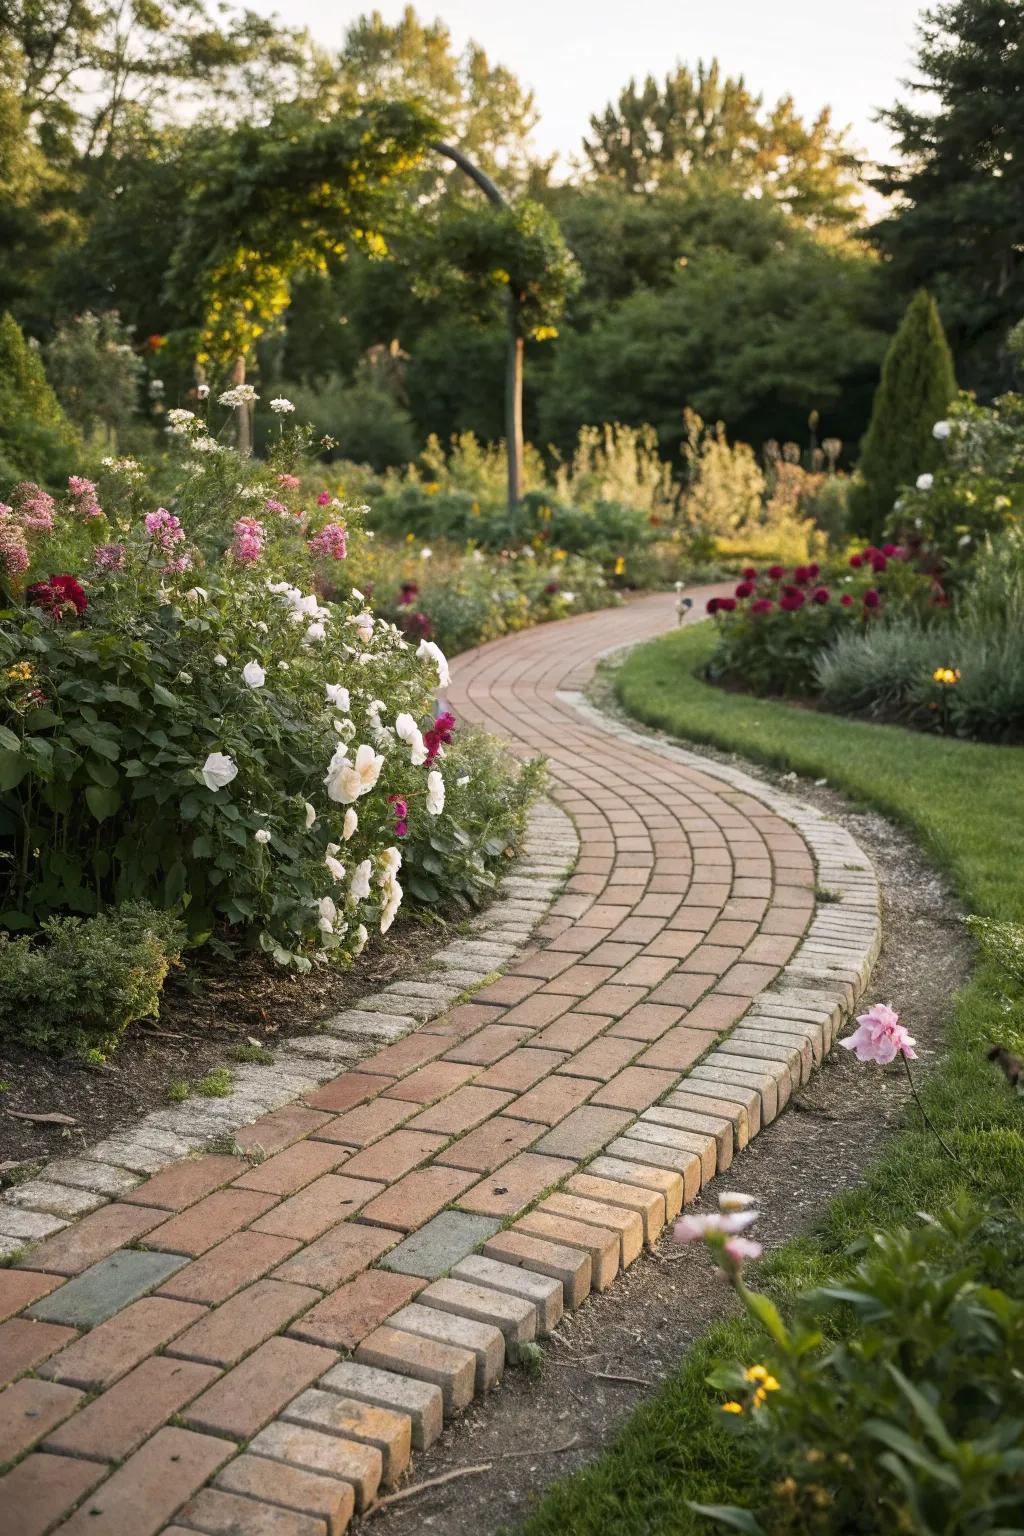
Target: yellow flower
{"type": "Point", "coordinates": [432, 487]}
{"type": "Point", "coordinates": [732, 1407]}
{"type": "Point", "coordinates": [544, 332]}
{"type": "Point", "coordinates": [755, 1373]}
{"type": "Point", "coordinates": [946, 675]}
{"type": "Point", "coordinates": [21, 671]}
{"type": "Point", "coordinates": [620, 565]}
{"type": "Point", "coordinates": [559, 554]}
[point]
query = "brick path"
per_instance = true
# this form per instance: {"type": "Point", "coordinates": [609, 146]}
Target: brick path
{"type": "Point", "coordinates": [256, 1347]}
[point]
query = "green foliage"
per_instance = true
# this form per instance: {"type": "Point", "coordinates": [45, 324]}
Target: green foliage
{"type": "Point", "coordinates": [77, 985]}
{"type": "Point", "coordinates": [915, 391]}
{"type": "Point", "coordinates": [1002, 943]}
{"type": "Point", "coordinates": [95, 372]}
{"type": "Point", "coordinates": [36, 439]}
{"type": "Point", "coordinates": [363, 418]}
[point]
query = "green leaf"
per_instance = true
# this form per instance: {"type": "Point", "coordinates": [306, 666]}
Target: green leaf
{"type": "Point", "coordinates": [174, 885]}
{"type": "Point", "coordinates": [729, 1514]}
{"type": "Point", "coordinates": [8, 740]}
{"type": "Point", "coordinates": [768, 1315]}
{"type": "Point", "coordinates": [13, 768]}
{"type": "Point", "coordinates": [101, 772]}
{"type": "Point", "coordinates": [164, 696]}
{"type": "Point", "coordinates": [102, 801]}
{"type": "Point", "coordinates": [16, 920]}
{"type": "Point", "coordinates": [924, 1410]}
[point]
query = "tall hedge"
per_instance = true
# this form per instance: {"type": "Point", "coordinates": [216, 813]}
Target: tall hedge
{"type": "Point", "coordinates": [916, 388]}
{"type": "Point", "coordinates": [37, 442]}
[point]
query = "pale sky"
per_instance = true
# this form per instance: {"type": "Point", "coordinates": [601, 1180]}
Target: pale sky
{"type": "Point", "coordinates": [577, 54]}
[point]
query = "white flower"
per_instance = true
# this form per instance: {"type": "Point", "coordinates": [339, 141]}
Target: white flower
{"type": "Point", "coordinates": [338, 696]}
{"type": "Point", "coordinates": [361, 938]}
{"type": "Point", "coordinates": [925, 482]}
{"type": "Point", "coordinates": [461, 783]}
{"type": "Point", "coordinates": [360, 886]}
{"type": "Point", "coordinates": [253, 675]}
{"type": "Point", "coordinates": [220, 660]}
{"type": "Point", "coordinates": [349, 824]}
{"type": "Point", "coordinates": [409, 732]}
{"type": "Point", "coordinates": [345, 780]}
{"type": "Point", "coordinates": [364, 623]}
{"type": "Point", "coordinates": [262, 836]}
{"type": "Point", "coordinates": [315, 633]}
{"type": "Point", "coordinates": [568, 597]}
{"type": "Point", "coordinates": [435, 793]}
{"type": "Point", "coordinates": [282, 406]}
{"type": "Point", "coordinates": [218, 770]}
{"type": "Point", "coordinates": [429, 651]}
{"type": "Point", "coordinates": [426, 553]}
{"type": "Point", "coordinates": [391, 863]}
{"type": "Point", "coordinates": [328, 914]}
{"type": "Point", "coordinates": [178, 420]}
{"type": "Point", "coordinates": [963, 541]}
{"type": "Point", "coordinates": [732, 1200]}
{"type": "Point", "coordinates": [242, 394]}
{"type": "Point", "coordinates": [941, 430]}
{"type": "Point", "coordinates": [197, 594]}
{"type": "Point", "coordinates": [310, 814]}
{"type": "Point", "coordinates": [202, 391]}
{"type": "Point", "coordinates": [392, 902]}
{"type": "Point", "coordinates": [263, 628]}
{"type": "Point", "coordinates": [337, 869]}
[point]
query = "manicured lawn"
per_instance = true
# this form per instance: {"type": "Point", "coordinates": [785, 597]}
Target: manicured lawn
{"type": "Point", "coordinates": [965, 805]}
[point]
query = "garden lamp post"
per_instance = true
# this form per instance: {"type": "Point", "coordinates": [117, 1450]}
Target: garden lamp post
{"type": "Point", "coordinates": [514, 366]}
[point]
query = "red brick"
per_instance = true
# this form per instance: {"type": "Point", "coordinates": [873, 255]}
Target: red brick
{"type": "Point", "coordinates": [462, 1110]}
{"type": "Point", "coordinates": [338, 1255]}
{"type": "Point", "coordinates": [394, 1155]}
{"type": "Point", "coordinates": [674, 944]}
{"type": "Point", "coordinates": [99, 1357]}
{"type": "Point", "coordinates": [21, 1287]}
{"type": "Point", "coordinates": [116, 1423]}
{"type": "Point", "coordinates": [348, 1090]}
{"type": "Point", "coordinates": [544, 964]}
{"type": "Point", "coordinates": [87, 1241]}
{"type": "Point", "coordinates": [647, 1021]}
{"type": "Point", "coordinates": [463, 1020]}
{"type": "Point", "coordinates": [603, 1245]}
{"type": "Point", "coordinates": [151, 1486]}
{"type": "Point", "coordinates": [730, 931]}
{"type": "Point", "coordinates": [291, 1169]}
{"type": "Point", "coordinates": [359, 1127]}
{"type": "Point", "coordinates": [24, 1343]}
{"type": "Point", "coordinates": [274, 1482]}
{"type": "Point", "coordinates": [229, 1514]}
{"type": "Point", "coordinates": [551, 1100]}
{"type": "Point", "coordinates": [488, 1045]}
{"type": "Point", "coordinates": [238, 1260]}
{"type": "Point", "coordinates": [408, 1054]}
{"type": "Point", "coordinates": [680, 990]}
{"type": "Point", "coordinates": [614, 1000]}
{"type": "Point", "coordinates": [184, 1183]}
{"type": "Point", "coordinates": [520, 1070]}
{"type": "Point", "coordinates": [601, 1059]}
{"type": "Point", "coordinates": [584, 1132]}
{"type": "Point", "coordinates": [235, 1328]}
{"type": "Point", "coordinates": [571, 1032]}
{"type": "Point", "coordinates": [272, 1133]}
{"type": "Point", "coordinates": [491, 1143]}
{"type": "Point", "coordinates": [508, 989]}
{"type": "Point", "coordinates": [41, 1489]}
{"type": "Point", "coordinates": [202, 1225]}
{"type": "Point", "coordinates": [356, 1309]}
{"type": "Point", "coordinates": [694, 918]}
{"type": "Point", "coordinates": [645, 971]}
{"type": "Point", "coordinates": [677, 1049]}
{"type": "Point", "coordinates": [770, 949]}
{"type": "Point", "coordinates": [745, 980]}
{"type": "Point", "coordinates": [28, 1410]}
{"type": "Point", "coordinates": [635, 1088]}
{"type": "Point", "coordinates": [417, 1197]}
{"type": "Point", "coordinates": [536, 1011]}
{"type": "Point", "coordinates": [431, 1082]}
{"type": "Point", "coordinates": [319, 1206]}
{"type": "Point", "coordinates": [248, 1397]}
{"type": "Point", "coordinates": [580, 979]}
{"type": "Point", "coordinates": [508, 1190]}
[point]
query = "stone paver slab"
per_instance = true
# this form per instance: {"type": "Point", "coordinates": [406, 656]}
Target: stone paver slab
{"type": "Point", "coordinates": [99, 1292]}
{"type": "Point", "coordinates": [439, 1244]}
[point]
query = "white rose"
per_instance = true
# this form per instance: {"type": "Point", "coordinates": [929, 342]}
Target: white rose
{"type": "Point", "coordinates": [350, 823]}
{"type": "Point", "coordinates": [262, 836]}
{"type": "Point", "coordinates": [315, 633]}
{"type": "Point", "coordinates": [428, 650]}
{"type": "Point", "coordinates": [338, 696]}
{"type": "Point", "coordinates": [218, 770]}
{"type": "Point", "coordinates": [336, 868]}
{"type": "Point", "coordinates": [925, 482]}
{"type": "Point", "coordinates": [391, 906]}
{"type": "Point", "coordinates": [941, 430]}
{"type": "Point", "coordinates": [435, 793]}
{"type": "Point", "coordinates": [253, 675]}
{"type": "Point", "coordinates": [220, 661]}
{"type": "Point", "coordinates": [360, 886]}
{"type": "Point", "coordinates": [328, 914]}
{"type": "Point", "coordinates": [345, 780]}
{"type": "Point", "coordinates": [409, 732]}
{"type": "Point", "coordinates": [461, 782]}
{"type": "Point", "coordinates": [391, 863]}
{"type": "Point", "coordinates": [361, 938]}
{"type": "Point", "coordinates": [310, 815]}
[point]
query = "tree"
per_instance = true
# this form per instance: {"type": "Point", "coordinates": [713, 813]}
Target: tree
{"type": "Point", "coordinates": [709, 127]}
{"type": "Point", "coordinates": [95, 372]}
{"type": "Point", "coordinates": [36, 439]}
{"type": "Point", "coordinates": [958, 221]}
{"type": "Point", "coordinates": [915, 391]}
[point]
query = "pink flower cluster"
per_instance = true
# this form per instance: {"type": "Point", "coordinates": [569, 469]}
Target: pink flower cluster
{"type": "Point", "coordinates": [83, 495]}
{"type": "Point", "coordinates": [289, 482]}
{"type": "Point", "coordinates": [276, 506]}
{"type": "Point", "coordinates": [722, 1230]}
{"type": "Point", "coordinates": [878, 559]}
{"type": "Point", "coordinates": [329, 544]}
{"type": "Point", "coordinates": [13, 544]}
{"type": "Point", "coordinates": [880, 1037]}
{"type": "Point", "coordinates": [166, 532]}
{"type": "Point", "coordinates": [249, 539]}
{"type": "Point", "coordinates": [34, 507]}
{"type": "Point", "coordinates": [109, 557]}
{"type": "Point", "coordinates": [439, 735]}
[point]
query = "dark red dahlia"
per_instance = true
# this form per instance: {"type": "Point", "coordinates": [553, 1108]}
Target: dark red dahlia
{"type": "Point", "coordinates": [713, 604]}
{"type": "Point", "coordinates": [762, 605]}
{"type": "Point", "coordinates": [776, 572]}
{"type": "Point", "coordinates": [813, 570]}
{"type": "Point", "coordinates": [878, 562]}
{"type": "Point", "coordinates": [439, 735]}
{"type": "Point", "coordinates": [56, 595]}
{"type": "Point", "coordinates": [745, 589]}
{"type": "Point", "coordinates": [871, 598]}
{"type": "Point", "coordinates": [846, 600]}
{"type": "Point", "coordinates": [792, 601]}
{"type": "Point", "coordinates": [890, 550]}
{"type": "Point", "coordinates": [856, 561]}
{"type": "Point", "coordinates": [820, 595]}
{"type": "Point", "coordinates": [749, 573]}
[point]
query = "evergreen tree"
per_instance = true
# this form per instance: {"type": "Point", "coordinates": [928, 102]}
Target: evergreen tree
{"type": "Point", "coordinates": [37, 441]}
{"type": "Point", "coordinates": [958, 219]}
{"type": "Point", "coordinates": [915, 391]}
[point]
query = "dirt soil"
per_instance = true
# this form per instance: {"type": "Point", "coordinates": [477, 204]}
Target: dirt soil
{"type": "Point", "coordinates": [530, 1433]}
{"type": "Point", "coordinates": [208, 1007]}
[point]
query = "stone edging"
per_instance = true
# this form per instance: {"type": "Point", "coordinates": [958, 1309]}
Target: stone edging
{"type": "Point", "coordinates": [70, 1187]}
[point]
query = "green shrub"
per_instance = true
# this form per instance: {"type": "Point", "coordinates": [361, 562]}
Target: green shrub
{"type": "Point", "coordinates": [898, 1400]}
{"type": "Point", "coordinates": [36, 440]}
{"type": "Point", "coordinates": [365, 420]}
{"type": "Point", "coordinates": [95, 372]}
{"type": "Point", "coordinates": [78, 985]}
{"type": "Point", "coordinates": [915, 391]}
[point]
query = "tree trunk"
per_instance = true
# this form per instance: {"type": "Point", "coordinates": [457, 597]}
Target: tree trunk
{"type": "Point", "coordinates": [244, 439]}
{"type": "Point", "coordinates": [514, 404]}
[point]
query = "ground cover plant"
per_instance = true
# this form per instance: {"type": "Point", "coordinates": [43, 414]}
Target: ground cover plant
{"type": "Point", "coordinates": [959, 799]}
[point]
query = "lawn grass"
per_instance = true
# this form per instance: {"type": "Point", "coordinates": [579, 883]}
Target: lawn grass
{"type": "Point", "coordinates": [965, 804]}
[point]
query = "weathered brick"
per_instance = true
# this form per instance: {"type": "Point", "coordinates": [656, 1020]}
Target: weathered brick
{"type": "Point", "coordinates": [697, 1124]}
{"type": "Point", "coordinates": [322, 1204]}
{"type": "Point", "coordinates": [234, 1328]}
{"type": "Point", "coordinates": [662, 1135]}
{"type": "Point", "coordinates": [151, 1486]}
{"type": "Point", "coordinates": [635, 1088]}
{"type": "Point", "coordinates": [486, 1343]}
{"type": "Point", "coordinates": [293, 1168]}
{"type": "Point", "coordinates": [573, 1267]}
{"type": "Point", "coordinates": [199, 1227]}
{"type": "Point", "coordinates": [237, 1261]}
{"type": "Point", "coordinates": [307, 1493]}
{"type": "Point", "coordinates": [554, 1098]}
{"type": "Point", "coordinates": [407, 1354]}
{"type": "Point", "coordinates": [40, 1489]}
{"type": "Point", "coordinates": [686, 1164]}
{"type": "Point", "coordinates": [21, 1287]}
{"type": "Point", "coordinates": [394, 1155]}
{"type": "Point", "coordinates": [543, 1293]}
{"type": "Point", "coordinates": [367, 1124]}
{"type": "Point", "coordinates": [584, 1132]}
{"type": "Point", "coordinates": [356, 1309]}
{"type": "Point", "coordinates": [326, 1455]}
{"type": "Point", "coordinates": [99, 1357]}
{"type": "Point", "coordinates": [742, 1107]}
{"type": "Point", "coordinates": [421, 1401]}
{"type": "Point", "coordinates": [602, 1244]}
{"type": "Point", "coordinates": [488, 1045]}
{"type": "Point", "coordinates": [273, 1132]}
{"type": "Point", "coordinates": [338, 1255]}
{"type": "Point", "coordinates": [29, 1410]}
{"type": "Point", "coordinates": [117, 1422]}
{"type": "Point", "coordinates": [99, 1292]}
{"type": "Point", "coordinates": [216, 1513]}
{"type": "Point", "coordinates": [649, 1204]}
{"type": "Point", "coordinates": [25, 1343]}
{"type": "Point", "coordinates": [249, 1396]}
{"type": "Point", "coordinates": [184, 1183]}
{"type": "Point", "coordinates": [626, 1223]}
{"type": "Point", "coordinates": [461, 1111]}
{"type": "Point", "coordinates": [665, 1181]}
{"type": "Point", "coordinates": [388, 1432]}
{"type": "Point", "coordinates": [515, 1185]}
{"type": "Point", "coordinates": [431, 1082]}
{"type": "Point", "coordinates": [92, 1238]}
{"type": "Point", "coordinates": [521, 1069]}
{"type": "Point", "coordinates": [513, 1315]}
{"type": "Point", "coordinates": [348, 1090]}
{"type": "Point", "coordinates": [417, 1197]}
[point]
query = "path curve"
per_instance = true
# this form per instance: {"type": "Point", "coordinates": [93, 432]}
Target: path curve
{"type": "Point", "coordinates": [264, 1346]}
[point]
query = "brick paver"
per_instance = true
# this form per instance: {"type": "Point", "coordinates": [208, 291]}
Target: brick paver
{"type": "Point", "coordinates": [583, 1096]}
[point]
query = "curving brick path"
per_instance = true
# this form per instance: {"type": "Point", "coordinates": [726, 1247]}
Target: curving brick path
{"type": "Point", "coordinates": [253, 1349]}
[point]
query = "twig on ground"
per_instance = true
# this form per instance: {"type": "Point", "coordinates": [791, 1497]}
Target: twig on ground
{"type": "Point", "coordinates": [430, 1482]}
{"type": "Point", "coordinates": [637, 1381]}
{"type": "Point", "coordinates": [548, 1450]}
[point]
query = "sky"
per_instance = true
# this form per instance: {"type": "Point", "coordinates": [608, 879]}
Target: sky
{"type": "Point", "coordinates": [578, 54]}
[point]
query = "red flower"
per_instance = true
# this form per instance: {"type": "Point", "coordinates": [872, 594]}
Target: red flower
{"type": "Point", "coordinates": [856, 561]}
{"type": "Point", "coordinates": [871, 598]}
{"type": "Point", "coordinates": [813, 570]}
{"type": "Point", "coordinates": [713, 604]}
{"type": "Point", "coordinates": [792, 601]}
{"type": "Point", "coordinates": [55, 595]}
{"type": "Point", "coordinates": [439, 735]}
{"type": "Point", "coordinates": [846, 600]}
{"type": "Point", "coordinates": [551, 588]}
{"type": "Point", "coordinates": [763, 605]}
{"type": "Point", "coordinates": [749, 573]}
{"type": "Point", "coordinates": [745, 589]}
{"type": "Point", "coordinates": [407, 594]}
{"type": "Point", "coordinates": [890, 550]}
{"type": "Point", "coordinates": [820, 595]}
{"type": "Point", "coordinates": [790, 591]}
{"type": "Point", "coordinates": [878, 563]}
{"type": "Point", "coordinates": [776, 572]}
{"type": "Point", "coordinates": [802, 575]}
{"type": "Point", "coordinates": [726, 604]}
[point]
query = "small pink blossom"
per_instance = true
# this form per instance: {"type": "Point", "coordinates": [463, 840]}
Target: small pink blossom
{"type": "Point", "coordinates": [34, 506]}
{"type": "Point", "coordinates": [13, 549]}
{"type": "Point", "coordinates": [109, 557]}
{"type": "Point", "coordinates": [694, 1229]}
{"type": "Point", "coordinates": [323, 499]}
{"type": "Point", "coordinates": [83, 493]}
{"type": "Point", "coordinates": [880, 1037]}
{"type": "Point", "coordinates": [249, 538]}
{"type": "Point", "coordinates": [276, 506]}
{"type": "Point", "coordinates": [330, 543]}
{"type": "Point", "coordinates": [164, 528]}
{"type": "Point", "coordinates": [289, 482]}
{"type": "Point", "coordinates": [740, 1248]}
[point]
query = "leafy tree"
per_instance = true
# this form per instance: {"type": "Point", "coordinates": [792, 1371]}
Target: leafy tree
{"type": "Point", "coordinates": [95, 372]}
{"type": "Point", "coordinates": [958, 222]}
{"type": "Point", "coordinates": [36, 439]}
{"type": "Point", "coordinates": [915, 391]}
{"type": "Point", "coordinates": [711, 128]}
